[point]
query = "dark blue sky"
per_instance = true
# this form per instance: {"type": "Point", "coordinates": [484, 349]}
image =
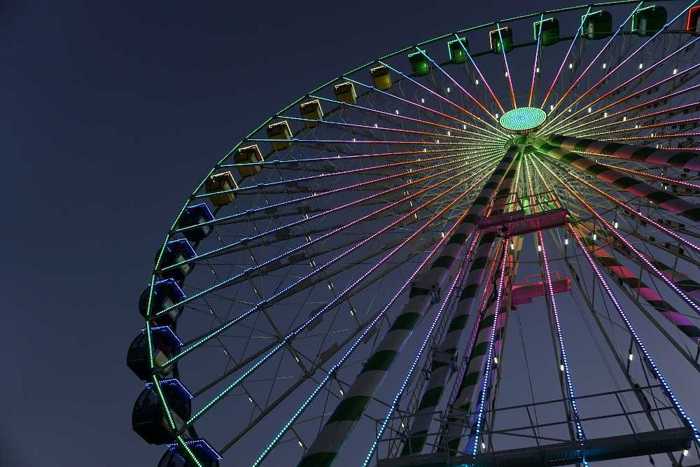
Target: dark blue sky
{"type": "Point", "coordinates": [111, 114]}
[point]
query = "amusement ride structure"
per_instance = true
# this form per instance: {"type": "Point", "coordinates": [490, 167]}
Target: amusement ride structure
{"type": "Point", "coordinates": [479, 250]}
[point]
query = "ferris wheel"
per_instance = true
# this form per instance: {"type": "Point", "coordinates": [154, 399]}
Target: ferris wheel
{"type": "Point", "coordinates": [476, 250]}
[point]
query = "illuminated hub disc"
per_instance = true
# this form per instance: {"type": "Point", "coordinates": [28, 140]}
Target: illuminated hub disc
{"type": "Point", "coordinates": [523, 119]}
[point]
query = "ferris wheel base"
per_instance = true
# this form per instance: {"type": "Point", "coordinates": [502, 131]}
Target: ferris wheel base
{"type": "Point", "coordinates": [569, 453]}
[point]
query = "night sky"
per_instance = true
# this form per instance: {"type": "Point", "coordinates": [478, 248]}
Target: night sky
{"type": "Point", "coordinates": [112, 112]}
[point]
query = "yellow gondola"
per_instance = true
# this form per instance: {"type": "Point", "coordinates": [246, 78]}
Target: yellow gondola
{"type": "Point", "coordinates": [221, 182]}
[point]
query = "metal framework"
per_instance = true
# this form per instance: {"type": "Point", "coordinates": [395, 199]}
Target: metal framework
{"type": "Point", "coordinates": [482, 249]}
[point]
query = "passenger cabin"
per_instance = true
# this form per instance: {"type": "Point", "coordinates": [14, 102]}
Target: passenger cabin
{"type": "Point", "coordinates": [177, 252]}
{"type": "Point", "coordinates": [220, 188]}
{"type": "Point", "coordinates": [196, 220]}
{"type": "Point", "coordinates": [281, 132]}
{"type": "Point", "coordinates": [547, 30]}
{"type": "Point", "coordinates": [345, 92]}
{"type": "Point", "coordinates": [597, 25]}
{"type": "Point", "coordinates": [165, 345]}
{"type": "Point", "coordinates": [249, 155]}
{"type": "Point", "coordinates": [692, 23]}
{"type": "Point", "coordinates": [501, 40]}
{"type": "Point", "coordinates": [203, 452]}
{"type": "Point", "coordinates": [456, 50]}
{"type": "Point", "coordinates": [649, 20]}
{"type": "Point", "coordinates": [312, 112]}
{"type": "Point", "coordinates": [166, 293]}
{"type": "Point", "coordinates": [420, 65]}
{"type": "Point", "coordinates": [381, 77]}
{"type": "Point", "coordinates": [149, 418]}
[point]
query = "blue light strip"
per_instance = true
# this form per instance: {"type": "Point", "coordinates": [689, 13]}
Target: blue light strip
{"type": "Point", "coordinates": [263, 303]}
{"type": "Point", "coordinates": [417, 359]}
{"type": "Point", "coordinates": [580, 434]}
{"type": "Point", "coordinates": [640, 345]}
{"type": "Point", "coordinates": [474, 441]}
{"type": "Point", "coordinates": [245, 272]}
{"type": "Point", "coordinates": [340, 296]}
{"type": "Point", "coordinates": [347, 354]}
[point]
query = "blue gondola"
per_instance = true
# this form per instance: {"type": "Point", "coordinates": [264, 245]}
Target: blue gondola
{"type": "Point", "coordinates": [195, 216]}
{"type": "Point", "coordinates": [166, 293]}
{"type": "Point", "coordinates": [150, 420]}
{"type": "Point", "coordinates": [177, 251]}
{"type": "Point", "coordinates": [165, 345]}
{"type": "Point", "coordinates": [205, 454]}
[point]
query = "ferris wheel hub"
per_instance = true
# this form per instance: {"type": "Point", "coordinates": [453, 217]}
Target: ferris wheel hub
{"type": "Point", "coordinates": [523, 119]}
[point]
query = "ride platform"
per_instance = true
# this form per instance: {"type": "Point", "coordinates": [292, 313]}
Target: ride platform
{"type": "Point", "coordinates": [566, 453]}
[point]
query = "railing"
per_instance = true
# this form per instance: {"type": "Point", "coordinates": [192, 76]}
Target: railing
{"type": "Point", "coordinates": [635, 413]}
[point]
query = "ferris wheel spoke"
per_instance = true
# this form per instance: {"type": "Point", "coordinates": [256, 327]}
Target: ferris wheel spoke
{"type": "Point", "coordinates": [307, 220]}
{"type": "Point", "coordinates": [435, 249]}
{"type": "Point", "coordinates": [496, 133]}
{"type": "Point", "coordinates": [239, 365]}
{"type": "Point", "coordinates": [641, 348]}
{"type": "Point", "coordinates": [457, 84]}
{"type": "Point", "coordinates": [585, 71]}
{"type": "Point", "coordinates": [654, 137]}
{"type": "Point", "coordinates": [650, 116]}
{"type": "Point", "coordinates": [631, 280]}
{"type": "Point", "coordinates": [483, 79]}
{"type": "Point", "coordinates": [566, 378]}
{"type": "Point", "coordinates": [363, 330]}
{"type": "Point", "coordinates": [449, 132]}
{"type": "Point", "coordinates": [273, 207]}
{"type": "Point", "coordinates": [642, 154]}
{"type": "Point", "coordinates": [447, 101]}
{"type": "Point", "coordinates": [422, 143]}
{"type": "Point", "coordinates": [456, 155]}
{"type": "Point", "coordinates": [678, 124]}
{"type": "Point", "coordinates": [327, 443]}
{"type": "Point", "coordinates": [621, 116]}
{"type": "Point", "coordinates": [462, 128]}
{"type": "Point", "coordinates": [334, 260]}
{"type": "Point", "coordinates": [625, 182]}
{"type": "Point", "coordinates": [563, 62]}
{"type": "Point", "coordinates": [302, 162]}
{"type": "Point", "coordinates": [207, 406]}
{"type": "Point", "coordinates": [609, 228]}
{"type": "Point", "coordinates": [535, 62]}
{"type": "Point", "coordinates": [572, 407]}
{"type": "Point", "coordinates": [507, 68]}
{"type": "Point", "coordinates": [637, 213]}
{"type": "Point", "coordinates": [379, 129]}
{"type": "Point", "coordinates": [647, 70]}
